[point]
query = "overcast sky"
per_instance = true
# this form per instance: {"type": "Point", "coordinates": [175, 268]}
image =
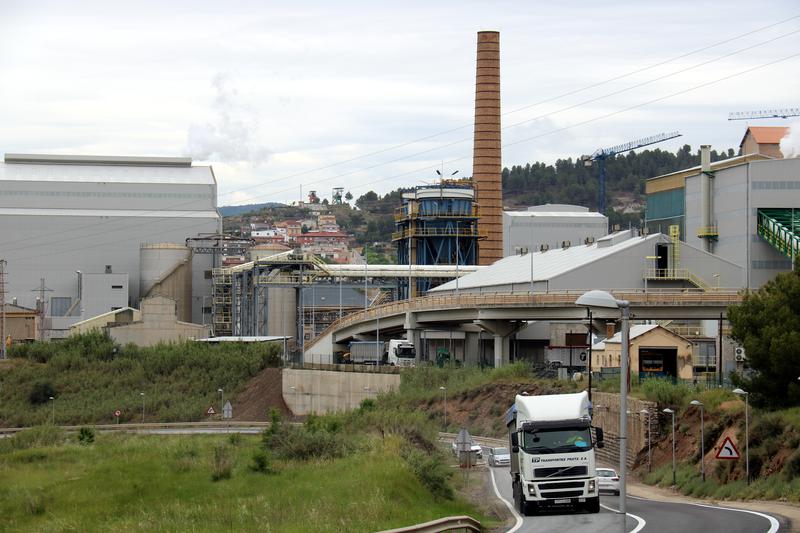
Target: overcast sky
{"type": "Point", "coordinates": [279, 95]}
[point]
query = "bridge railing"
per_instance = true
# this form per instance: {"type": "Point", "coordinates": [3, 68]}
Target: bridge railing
{"type": "Point", "coordinates": [637, 297]}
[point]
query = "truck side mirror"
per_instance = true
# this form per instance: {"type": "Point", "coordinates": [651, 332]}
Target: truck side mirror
{"type": "Point", "coordinates": [514, 442]}
{"type": "Point", "coordinates": [599, 434]}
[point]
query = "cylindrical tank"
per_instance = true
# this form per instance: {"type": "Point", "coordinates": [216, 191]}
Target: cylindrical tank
{"type": "Point", "coordinates": [260, 251]}
{"type": "Point", "coordinates": [165, 270]}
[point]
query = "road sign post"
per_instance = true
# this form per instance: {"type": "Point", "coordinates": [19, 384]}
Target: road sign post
{"type": "Point", "coordinates": [210, 411]}
{"type": "Point", "coordinates": [728, 450]}
{"type": "Point", "coordinates": [117, 414]}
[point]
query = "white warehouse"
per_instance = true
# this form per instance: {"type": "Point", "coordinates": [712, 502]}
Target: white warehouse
{"type": "Point", "coordinates": [78, 223]}
{"type": "Point", "coordinates": [551, 226]}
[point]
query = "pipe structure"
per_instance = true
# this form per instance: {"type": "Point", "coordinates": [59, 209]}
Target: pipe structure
{"type": "Point", "coordinates": [486, 162]}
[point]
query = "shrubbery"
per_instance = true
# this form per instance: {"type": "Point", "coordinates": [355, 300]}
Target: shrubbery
{"type": "Point", "coordinates": [33, 437]}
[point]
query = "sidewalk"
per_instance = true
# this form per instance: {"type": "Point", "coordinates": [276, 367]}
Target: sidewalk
{"type": "Point", "coordinates": [787, 510]}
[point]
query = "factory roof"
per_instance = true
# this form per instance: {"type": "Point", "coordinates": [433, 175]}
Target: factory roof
{"type": "Point", "coordinates": [677, 179]}
{"type": "Point", "coordinates": [547, 264]}
{"type": "Point", "coordinates": [107, 213]}
{"type": "Point", "coordinates": [251, 338]}
{"type": "Point", "coordinates": [766, 134]}
{"type": "Point", "coordinates": [168, 170]}
{"type": "Point", "coordinates": [545, 214]}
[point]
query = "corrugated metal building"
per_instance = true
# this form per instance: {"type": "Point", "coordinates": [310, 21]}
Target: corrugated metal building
{"type": "Point", "coordinates": [67, 217]}
{"type": "Point", "coordinates": [550, 225]}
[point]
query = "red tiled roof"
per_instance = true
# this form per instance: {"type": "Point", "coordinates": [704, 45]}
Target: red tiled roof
{"type": "Point", "coordinates": [766, 134]}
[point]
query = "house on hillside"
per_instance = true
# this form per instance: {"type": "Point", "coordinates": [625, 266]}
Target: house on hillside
{"type": "Point", "coordinates": [654, 352]}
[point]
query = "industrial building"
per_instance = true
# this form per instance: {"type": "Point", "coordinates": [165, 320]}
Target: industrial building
{"type": "Point", "coordinates": [436, 225]}
{"type": "Point", "coordinates": [551, 226]}
{"type": "Point", "coordinates": [654, 352]}
{"type": "Point", "coordinates": [764, 140]}
{"type": "Point", "coordinates": [75, 232]}
{"type": "Point", "coordinates": [744, 210]}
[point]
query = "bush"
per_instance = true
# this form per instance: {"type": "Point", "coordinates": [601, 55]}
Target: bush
{"type": "Point", "coordinates": [791, 469]}
{"type": "Point", "coordinates": [40, 393]}
{"type": "Point", "coordinates": [431, 471]}
{"type": "Point", "coordinates": [665, 392]}
{"type": "Point", "coordinates": [221, 462]}
{"type": "Point", "coordinates": [86, 436]}
{"type": "Point", "coordinates": [261, 463]}
{"type": "Point", "coordinates": [234, 439]}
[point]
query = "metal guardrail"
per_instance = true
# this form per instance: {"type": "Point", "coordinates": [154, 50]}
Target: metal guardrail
{"type": "Point", "coordinates": [450, 523]}
{"type": "Point", "coordinates": [151, 425]}
{"type": "Point", "coordinates": [651, 298]}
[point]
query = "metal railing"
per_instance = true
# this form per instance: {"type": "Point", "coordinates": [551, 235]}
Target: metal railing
{"type": "Point", "coordinates": [652, 298]}
{"type": "Point", "coordinates": [450, 523]}
{"type": "Point", "coordinates": [401, 213]}
{"type": "Point", "coordinates": [439, 232]}
{"type": "Point", "coordinates": [677, 274]}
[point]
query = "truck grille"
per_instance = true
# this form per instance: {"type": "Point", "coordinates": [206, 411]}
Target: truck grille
{"type": "Point", "coordinates": [563, 494]}
{"type": "Point", "coordinates": [571, 471]}
{"type": "Point", "coordinates": [561, 485]}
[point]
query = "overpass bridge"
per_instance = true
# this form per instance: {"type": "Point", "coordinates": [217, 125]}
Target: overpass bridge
{"type": "Point", "coordinates": [501, 314]}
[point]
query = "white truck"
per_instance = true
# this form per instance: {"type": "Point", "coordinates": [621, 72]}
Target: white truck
{"type": "Point", "coordinates": [552, 453]}
{"type": "Point", "coordinates": [402, 353]}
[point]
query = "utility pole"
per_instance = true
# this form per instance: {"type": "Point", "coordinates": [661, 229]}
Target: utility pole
{"type": "Point", "coordinates": [3, 308]}
{"type": "Point", "coordinates": [41, 289]}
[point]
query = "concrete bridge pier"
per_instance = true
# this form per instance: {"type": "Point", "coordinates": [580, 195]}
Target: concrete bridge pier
{"type": "Point", "coordinates": [413, 334]}
{"type": "Point", "coordinates": [501, 331]}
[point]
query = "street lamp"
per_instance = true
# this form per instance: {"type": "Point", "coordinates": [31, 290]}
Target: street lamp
{"type": "Point", "coordinates": [604, 299]}
{"type": "Point", "coordinates": [53, 402]}
{"type": "Point", "coordinates": [444, 390]}
{"type": "Point", "coordinates": [698, 403]}
{"type": "Point", "coordinates": [221, 399]}
{"type": "Point", "coordinates": [746, 430]}
{"type": "Point", "coordinates": [142, 395]}
{"type": "Point", "coordinates": [649, 440]}
{"type": "Point", "coordinates": [671, 412]}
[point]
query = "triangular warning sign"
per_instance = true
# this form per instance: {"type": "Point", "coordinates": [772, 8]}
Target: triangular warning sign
{"type": "Point", "coordinates": [728, 450]}
{"type": "Point", "coordinates": [210, 411]}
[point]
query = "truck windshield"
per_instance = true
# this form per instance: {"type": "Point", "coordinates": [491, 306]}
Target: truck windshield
{"type": "Point", "coordinates": [557, 440]}
{"type": "Point", "coordinates": [405, 351]}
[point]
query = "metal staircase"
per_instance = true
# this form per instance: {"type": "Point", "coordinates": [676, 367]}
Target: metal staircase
{"type": "Point", "coordinates": [780, 227]}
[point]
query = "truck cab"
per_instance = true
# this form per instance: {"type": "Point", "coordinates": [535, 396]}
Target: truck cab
{"type": "Point", "coordinates": [401, 353]}
{"type": "Point", "coordinates": [552, 453]}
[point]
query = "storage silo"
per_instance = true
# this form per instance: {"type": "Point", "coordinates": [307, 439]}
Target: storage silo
{"type": "Point", "coordinates": [165, 270]}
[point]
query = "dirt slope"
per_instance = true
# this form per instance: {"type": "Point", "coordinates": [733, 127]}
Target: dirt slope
{"type": "Point", "coordinates": [262, 393]}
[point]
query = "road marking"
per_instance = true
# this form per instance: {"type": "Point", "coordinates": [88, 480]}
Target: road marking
{"type": "Point", "coordinates": [518, 524]}
{"type": "Point", "coordinates": [773, 522]}
{"type": "Point", "coordinates": [640, 521]}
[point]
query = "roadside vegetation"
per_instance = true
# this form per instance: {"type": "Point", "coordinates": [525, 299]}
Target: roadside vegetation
{"type": "Point", "coordinates": [367, 470]}
{"type": "Point", "coordinates": [90, 377]}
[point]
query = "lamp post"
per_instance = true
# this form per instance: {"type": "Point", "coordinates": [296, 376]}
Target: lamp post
{"type": "Point", "coordinates": [741, 392]}
{"type": "Point", "coordinates": [142, 395]}
{"type": "Point", "coordinates": [457, 258]}
{"type": "Point", "coordinates": [221, 399]}
{"type": "Point", "coordinates": [671, 412]}
{"type": "Point", "coordinates": [604, 299]}
{"type": "Point", "coordinates": [53, 402]}
{"type": "Point", "coordinates": [648, 257]}
{"type": "Point", "coordinates": [649, 440]}
{"type": "Point", "coordinates": [444, 390]}
{"type": "Point", "coordinates": [698, 403]}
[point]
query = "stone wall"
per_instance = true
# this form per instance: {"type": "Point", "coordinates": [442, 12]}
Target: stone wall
{"type": "Point", "coordinates": [606, 415]}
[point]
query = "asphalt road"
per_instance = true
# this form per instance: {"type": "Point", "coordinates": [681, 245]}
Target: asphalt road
{"type": "Point", "coordinates": [643, 515]}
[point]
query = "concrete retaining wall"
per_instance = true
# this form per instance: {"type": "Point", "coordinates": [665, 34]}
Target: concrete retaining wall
{"type": "Point", "coordinates": [323, 391]}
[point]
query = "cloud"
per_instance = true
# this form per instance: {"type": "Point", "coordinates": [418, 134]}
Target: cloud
{"type": "Point", "coordinates": [790, 144]}
{"type": "Point", "coordinates": [233, 136]}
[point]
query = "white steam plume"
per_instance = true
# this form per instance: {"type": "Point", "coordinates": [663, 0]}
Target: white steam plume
{"type": "Point", "coordinates": [233, 136]}
{"type": "Point", "coordinates": [790, 144]}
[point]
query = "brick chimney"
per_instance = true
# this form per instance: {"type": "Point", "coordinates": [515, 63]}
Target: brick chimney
{"type": "Point", "coordinates": [486, 162]}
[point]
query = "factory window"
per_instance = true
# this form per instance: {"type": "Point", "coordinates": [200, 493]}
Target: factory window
{"type": "Point", "coordinates": [59, 305]}
{"type": "Point", "coordinates": [116, 286]}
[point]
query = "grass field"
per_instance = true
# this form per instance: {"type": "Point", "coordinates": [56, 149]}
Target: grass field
{"type": "Point", "coordinates": [164, 483]}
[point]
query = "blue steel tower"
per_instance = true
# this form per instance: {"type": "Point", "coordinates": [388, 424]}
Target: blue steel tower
{"type": "Point", "coordinates": [436, 225]}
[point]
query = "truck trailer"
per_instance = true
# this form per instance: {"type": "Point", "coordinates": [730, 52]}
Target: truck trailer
{"type": "Point", "coordinates": [552, 453]}
{"type": "Point", "coordinates": [366, 352]}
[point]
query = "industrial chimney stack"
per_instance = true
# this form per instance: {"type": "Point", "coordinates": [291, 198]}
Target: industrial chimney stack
{"type": "Point", "coordinates": [486, 163]}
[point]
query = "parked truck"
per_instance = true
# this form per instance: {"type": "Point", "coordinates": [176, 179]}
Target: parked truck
{"type": "Point", "coordinates": [401, 353]}
{"type": "Point", "coordinates": [366, 352]}
{"type": "Point", "coordinates": [552, 453]}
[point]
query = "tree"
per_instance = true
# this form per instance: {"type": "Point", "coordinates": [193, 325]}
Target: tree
{"type": "Point", "coordinates": [767, 325]}
{"type": "Point", "coordinates": [348, 196]}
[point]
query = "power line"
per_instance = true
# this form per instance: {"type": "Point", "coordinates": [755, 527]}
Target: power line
{"type": "Point", "coordinates": [447, 145]}
{"type": "Point", "coordinates": [527, 139]}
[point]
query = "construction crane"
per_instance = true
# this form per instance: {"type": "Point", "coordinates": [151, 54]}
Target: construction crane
{"type": "Point", "coordinates": [766, 113]}
{"type": "Point", "coordinates": [602, 154]}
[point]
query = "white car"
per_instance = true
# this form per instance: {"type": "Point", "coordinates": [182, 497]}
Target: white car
{"type": "Point", "coordinates": [473, 448]}
{"type": "Point", "coordinates": [607, 480]}
{"type": "Point", "coordinates": [499, 457]}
